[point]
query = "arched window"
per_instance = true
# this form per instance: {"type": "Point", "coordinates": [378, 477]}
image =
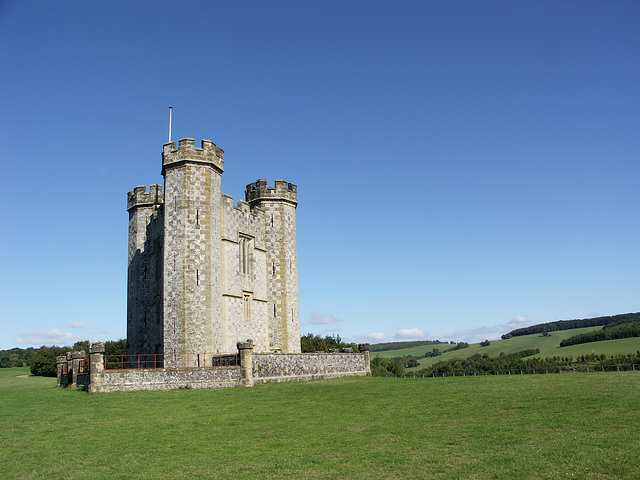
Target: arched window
{"type": "Point", "coordinates": [245, 253]}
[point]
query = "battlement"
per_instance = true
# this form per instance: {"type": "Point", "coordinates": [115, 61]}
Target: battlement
{"type": "Point", "coordinates": [283, 191]}
{"type": "Point", "coordinates": [209, 153]}
{"type": "Point", "coordinates": [139, 197]}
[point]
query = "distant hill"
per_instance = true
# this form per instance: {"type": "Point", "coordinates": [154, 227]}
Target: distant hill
{"type": "Point", "coordinates": [571, 324]}
{"type": "Point", "coordinates": [378, 347]}
{"type": "Point", "coordinates": [549, 346]}
{"type": "Point", "coordinates": [626, 327]}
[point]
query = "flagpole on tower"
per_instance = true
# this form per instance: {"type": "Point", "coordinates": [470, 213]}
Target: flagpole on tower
{"type": "Point", "coordinates": [170, 111]}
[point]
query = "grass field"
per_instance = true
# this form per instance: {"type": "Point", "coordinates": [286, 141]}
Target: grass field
{"type": "Point", "coordinates": [495, 427]}
{"type": "Point", "coordinates": [549, 347]}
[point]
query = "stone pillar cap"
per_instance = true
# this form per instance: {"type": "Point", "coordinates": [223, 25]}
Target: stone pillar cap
{"type": "Point", "coordinates": [245, 345]}
{"type": "Point", "coordinates": [96, 347]}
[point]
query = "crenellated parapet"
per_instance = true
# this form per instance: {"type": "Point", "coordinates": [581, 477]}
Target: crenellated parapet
{"type": "Point", "coordinates": [139, 197]}
{"type": "Point", "coordinates": [209, 153]}
{"type": "Point", "coordinates": [258, 191]}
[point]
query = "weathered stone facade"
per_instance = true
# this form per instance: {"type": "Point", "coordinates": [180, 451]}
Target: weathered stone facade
{"type": "Point", "coordinates": [308, 366]}
{"type": "Point", "coordinates": [205, 273]}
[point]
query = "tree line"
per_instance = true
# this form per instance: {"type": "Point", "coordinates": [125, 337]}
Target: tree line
{"type": "Point", "coordinates": [42, 361]}
{"type": "Point", "coordinates": [512, 363]}
{"type": "Point", "coordinates": [571, 324]}
{"type": "Point", "coordinates": [16, 357]}
{"type": "Point", "coordinates": [311, 343]}
{"type": "Point", "coordinates": [377, 347]}
{"type": "Point", "coordinates": [624, 328]}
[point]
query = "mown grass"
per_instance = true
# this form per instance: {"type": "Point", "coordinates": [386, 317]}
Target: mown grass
{"type": "Point", "coordinates": [498, 427]}
{"type": "Point", "coordinates": [549, 347]}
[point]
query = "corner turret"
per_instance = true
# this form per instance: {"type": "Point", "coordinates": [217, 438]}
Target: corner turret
{"type": "Point", "coordinates": [279, 205]}
{"type": "Point", "coordinates": [186, 152]}
{"type": "Point", "coordinates": [258, 191]}
{"type": "Point", "coordinates": [139, 197]}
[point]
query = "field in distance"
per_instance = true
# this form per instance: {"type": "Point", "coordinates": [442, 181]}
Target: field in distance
{"type": "Point", "coordinates": [581, 426]}
{"type": "Point", "coordinates": [549, 347]}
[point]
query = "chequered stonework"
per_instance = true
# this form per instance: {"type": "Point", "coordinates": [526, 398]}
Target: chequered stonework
{"type": "Point", "coordinates": [205, 273]}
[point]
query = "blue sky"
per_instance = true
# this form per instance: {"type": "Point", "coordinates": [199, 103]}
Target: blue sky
{"type": "Point", "coordinates": [463, 167]}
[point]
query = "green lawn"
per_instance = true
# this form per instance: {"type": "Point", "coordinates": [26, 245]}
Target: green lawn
{"type": "Point", "coordinates": [495, 427]}
{"type": "Point", "coordinates": [549, 347]}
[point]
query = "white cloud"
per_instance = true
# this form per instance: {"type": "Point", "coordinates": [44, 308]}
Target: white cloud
{"type": "Point", "coordinates": [410, 333]}
{"type": "Point", "coordinates": [48, 337]}
{"type": "Point", "coordinates": [519, 321]}
{"type": "Point", "coordinates": [375, 337]}
{"type": "Point", "coordinates": [75, 324]}
{"type": "Point", "coordinates": [317, 318]}
{"type": "Point", "coordinates": [332, 330]}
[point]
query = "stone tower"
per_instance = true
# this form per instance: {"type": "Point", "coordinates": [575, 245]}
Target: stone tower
{"type": "Point", "coordinates": [144, 279]}
{"type": "Point", "coordinates": [205, 274]}
{"type": "Point", "coordinates": [192, 280]}
{"type": "Point", "coordinates": [279, 204]}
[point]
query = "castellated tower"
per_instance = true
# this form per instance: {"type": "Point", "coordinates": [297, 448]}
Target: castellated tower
{"type": "Point", "coordinates": [192, 225]}
{"type": "Point", "coordinates": [144, 279]}
{"type": "Point", "coordinates": [205, 274]}
{"type": "Point", "coordinates": [279, 204]}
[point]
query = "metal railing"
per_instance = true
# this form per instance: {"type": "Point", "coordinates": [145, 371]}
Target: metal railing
{"type": "Point", "coordinates": [173, 360]}
{"type": "Point", "coordinates": [84, 365]}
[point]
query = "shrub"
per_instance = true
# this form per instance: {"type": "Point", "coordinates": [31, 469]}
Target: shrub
{"type": "Point", "coordinates": [43, 362]}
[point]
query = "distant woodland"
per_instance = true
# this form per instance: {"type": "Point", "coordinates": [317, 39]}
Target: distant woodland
{"type": "Point", "coordinates": [570, 324]}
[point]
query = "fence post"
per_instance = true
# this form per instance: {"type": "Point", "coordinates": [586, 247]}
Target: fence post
{"type": "Point", "coordinates": [246, 361]}
{"type": "Point", "coordinates": [96, 367]}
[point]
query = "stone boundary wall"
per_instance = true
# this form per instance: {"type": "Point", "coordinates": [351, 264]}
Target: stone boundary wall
{"type": "Point", "coordinates": [307, 366]}
{"type": "Point", "coordinates": [166, 379]}
{"type": "Point", "coordinates": [253, 369]}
